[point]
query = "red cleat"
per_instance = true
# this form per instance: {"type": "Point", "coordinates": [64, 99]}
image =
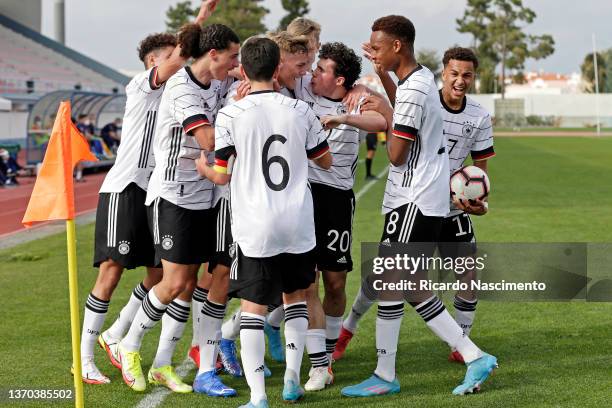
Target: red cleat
{"type": "Point", "coordinates": [194, 355]}
{"type": "Point", "coordinates": [343, 341]}
{"type": "Point", "coordinates": [456, 357]}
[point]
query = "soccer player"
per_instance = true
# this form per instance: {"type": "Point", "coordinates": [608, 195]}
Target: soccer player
{"type": "Point", "coordinates": [294, 62]}
{"type": "Point", "coordinates": [334, 202]}
{"type": "Point", "coordinates": [467, 126]}
{"type": "Point", "coordinates": [371, 142]}
{"type": "Point", "coordinates": [122, 237]}
{"type": "Point", "coordinates": [415, 204]}
{"type": "Point", "coordinates": [305, 27]}
{"type": "Point", "coordinates": [179, 200]}
{"type": "Point", "coordinates": [272, 137]}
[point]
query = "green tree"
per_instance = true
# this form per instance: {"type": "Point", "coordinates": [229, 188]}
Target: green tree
{"type": "Point", "coordinates": [499, 38]}
{"type": "Point", "coordinates": [588, 72]}
{"type": "Point", "coordinates": [294, 8]}
{"type": "Point", "coordinates": [431, 60]}
{"type": "Point", "coordinates": [607, 54]}
{"type": "Point", "coordinates": [245, 17]}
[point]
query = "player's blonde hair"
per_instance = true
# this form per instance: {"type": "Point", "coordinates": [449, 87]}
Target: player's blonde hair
{"type": "Point", "coordinates": [304, 26]}
{"type": "Point", "coordinates": [288, 43]}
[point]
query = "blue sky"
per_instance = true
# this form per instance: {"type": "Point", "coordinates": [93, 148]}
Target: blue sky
{"type": "Point", "coordinates": [110, 30]}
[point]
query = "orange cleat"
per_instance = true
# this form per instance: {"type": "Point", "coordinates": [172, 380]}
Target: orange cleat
{"type": "Point", "coordinates": [456, 357]}
{"type": "Point", "coordinates": [343, 341]}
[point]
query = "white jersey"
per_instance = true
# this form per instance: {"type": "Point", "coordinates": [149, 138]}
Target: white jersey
{"type": "Point", "coordinates": [135, 161]}
{"type": "Point", "coordinates": [186, 105]}
{"type": "Point", "coordinates": [272, 138]}
{"type": "Point", "coordinates": [468, 130]}
{"type": "Point", "coordinates": [424, 178]}
{"type": "Point", "coordinates": [343, 140]}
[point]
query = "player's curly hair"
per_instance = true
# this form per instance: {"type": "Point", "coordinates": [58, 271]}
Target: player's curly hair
{"type": "Point", "coordinates": [460, 54]}
{"type": "Point", "coordinates": [396, 26]}
{"type": "Point", "coordinates": [155, 42]}
{"type": "Point", "coordinates": [196, 41]}
{"type": "Point", "coordinates": [304, 26]}
{"type": "Point", "coordinates": [291, 44]}
{"type": "Point", "coordinates": [348, 64]}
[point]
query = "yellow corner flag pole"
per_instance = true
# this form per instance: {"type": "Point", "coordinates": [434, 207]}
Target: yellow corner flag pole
{"type": "Point", "coordinates": [75, 322]}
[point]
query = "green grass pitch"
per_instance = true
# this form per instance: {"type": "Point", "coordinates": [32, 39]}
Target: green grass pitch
{"type": "Point", "coordinates": [550, 354]}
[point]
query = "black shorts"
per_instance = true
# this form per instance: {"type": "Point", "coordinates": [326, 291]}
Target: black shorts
{"type": "Point", "coordinates": [122, 231]}
{"type": "Point", "coordinates": [180, 235]}
{"type": "Point", "coordinates": [408, 224]}
{"type": "Point", "coordinates": [264, 280]}
{"type": "Point", "coordinates": [223, 236]}
{"type": "Point", "coordinates": [371, 141]}
{"type": "Point", "coordinates": [333, 214]}
{"type": "Point", "coordinates": [457, 236]}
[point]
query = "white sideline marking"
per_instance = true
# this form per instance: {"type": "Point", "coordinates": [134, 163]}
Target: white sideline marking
{"type": "Point", "coordinates": [159, 394]}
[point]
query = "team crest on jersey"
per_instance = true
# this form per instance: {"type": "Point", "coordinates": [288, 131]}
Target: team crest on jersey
{"type": "Point", "coordinates": [167, 242]}
{"type": "Point", "coordinates": [467, 129]}
{"type": "Point", "coordinates": [311, 104]}
{"type": "Point", "coordinates": [124, 247]}
{"type": "Point", "coordinates": [341, 110]}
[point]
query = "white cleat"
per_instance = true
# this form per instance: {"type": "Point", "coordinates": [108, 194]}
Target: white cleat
{"type": "Point", "coordinates": [320, 377]}
{"type": "Point", "coordinates": [90, 372]}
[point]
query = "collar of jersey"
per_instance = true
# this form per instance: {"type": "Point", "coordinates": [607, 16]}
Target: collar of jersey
{"type": "Point", "coordinates": [448, 108]}
{"type": "Point", "coordinates": [194, 79]}
{"type": "Point", "coordinates": [332, 99]}
{"type": "Point", "coordinates": [418, 68]}
{"type": "Point", "coordinates": [262, 92]}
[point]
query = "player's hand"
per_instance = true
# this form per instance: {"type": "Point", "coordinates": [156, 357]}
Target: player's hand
{"type": "Point", "coordinates": [332, 121]}
{"type": "Point", "coordinates": [377, 104]}
{"type": "Point", "coordinates": [243, 90]}
{"type": "Point", "coordinates": [206, 9]}
{"type": "Point", "coordinates": [473, 207]}
{"type": "Point", "coordinates": [202, 164]}
{"type": "Point", "coordinates": [367, 52]}
{"type": "Point", "coordinates": [352, 98]}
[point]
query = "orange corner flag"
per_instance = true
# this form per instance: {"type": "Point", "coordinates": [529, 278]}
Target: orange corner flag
{"type": "Point", "coordinates": [53, 194]}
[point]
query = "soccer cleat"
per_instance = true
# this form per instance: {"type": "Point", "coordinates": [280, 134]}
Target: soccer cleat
{"type": "Point", "coordinates": [456, 357]}
{"type": "Point", "coordinates": [167, 377]}
{"type": "Point", "coordinates": [292, 392]}
{"type": "Point", "coordinates": [275, 344]}
{"type": "Point", "coordinates": [477, 372]}
{"type": "Point", "coordinates": [261, 404]}
{"type": "Point", "coordinates": [343, 340]}
{"type": "Point", "coordinates": [194, 355]}
{"type": "Point", "coordinates": [227, 352]}
{"type": "Point", "coordinates": [372, 387]}
{"type": "Point", "coordinates": [218, 364]}
{"type": "Point", "coordinates": [131, 369]}
{"type": "Point", "coordinates": [267, 372]}
{"type": "Point", "coordinates": [319, 378]}
{"type": "Point", "coordinates": [109, 345]}
{"type": "Point", "coordinates": [210, 384]}
{"type": "Point", "coordinates": [90, 372]}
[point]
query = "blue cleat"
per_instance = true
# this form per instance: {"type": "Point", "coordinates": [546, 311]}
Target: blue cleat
{"type": "Point", "coordinates": [372, 387]}
{"type": "Point", "coordinates": [477, 372]}
{"type": "Point", "coordinates": [210, 384]}
{"type": "Point", "coordinates": [261, 404]}
{"type": "Point", "coordinates": [292, 392]}
{"type": "Point", "coordinates": [267, 372]}
{"type": "Point", "coordinates": [227, 351]}
{"type": "Point", "coordinates": [276, 347]}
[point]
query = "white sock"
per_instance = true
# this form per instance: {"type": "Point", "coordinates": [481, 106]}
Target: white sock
{"type": "Point", "coordinates": [446, 328]}
{"type": "Point", "coordinates": [332, 331]}
{"type": "Point", "coordinates": [211, 319]}
{"type": "Point", "coordinates": [146, 318]}
{"type": "Point", "coordinates": [276, 316]}
{"type": "Point", "coordinates": [388, 325]}
{"type": "Point", "coordinates": [465, 311]}
{"type": "Point", "coordinates": [173, 326]}
{"type": "Point", "coordinates": [231, 327]}
{"type": "Point", "coordinates": [296, 325]}
{"type": "Point", "coordinates": [253, 350]}
{"type": "Point", "coordinates": [95, 313]}
{"type": "Point", "coordinates": [197, 300]}
{"type": "Point", "coordinates": [315, 345]}
{"type": "Point", "coordinates": [124, 320]}
{"type": "Point", "coordinates": [361, 305]}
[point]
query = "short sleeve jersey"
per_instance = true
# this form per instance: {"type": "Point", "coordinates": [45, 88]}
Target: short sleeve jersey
{"type": "Point", "coordinates": [343, 140]}
{"type": "Point", "coordinates": [186, 105]}
{"type": "Point", "coordinates": [424, 178]}
{"type": "Point", "coordinates": [272, 138]}
{"type": "Point", "coordinates": [468, 131]}
{"type": "Point", "coordinates": [135, 161]}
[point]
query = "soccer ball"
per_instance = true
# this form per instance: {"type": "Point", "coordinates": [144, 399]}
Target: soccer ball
{"type": "Point", "coordinates": [470, 183]}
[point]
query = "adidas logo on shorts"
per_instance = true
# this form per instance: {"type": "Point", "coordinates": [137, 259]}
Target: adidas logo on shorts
{"type": "Point", "coordinates": [342, 260]}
